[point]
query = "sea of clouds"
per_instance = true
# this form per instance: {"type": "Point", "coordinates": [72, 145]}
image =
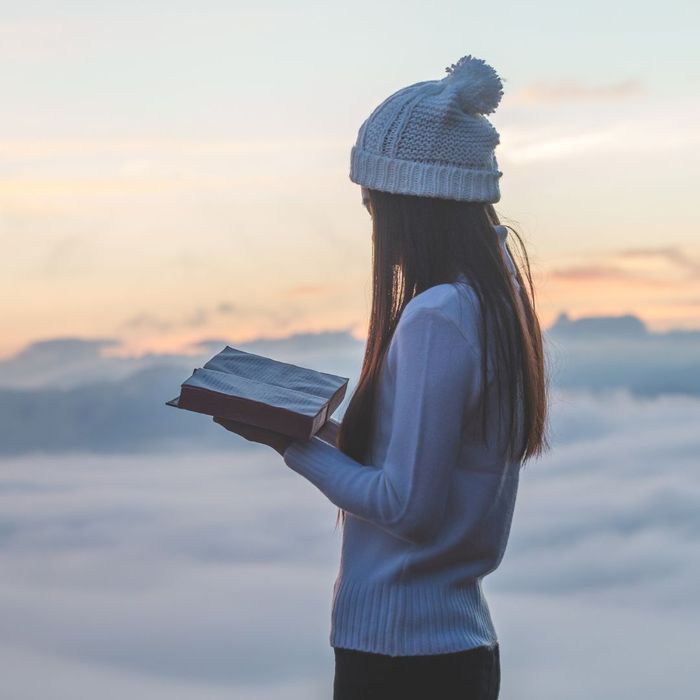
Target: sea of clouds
{"type": "Point", "coordinates": [157, 567]}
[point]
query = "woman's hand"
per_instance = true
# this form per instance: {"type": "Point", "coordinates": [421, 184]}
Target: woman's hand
{"type": "Point", "coordinates": [278, 441]}
{"type": "Point", "coordinates": [329, 432]}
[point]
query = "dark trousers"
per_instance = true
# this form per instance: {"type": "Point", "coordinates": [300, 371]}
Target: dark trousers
{"type": "Point", "coordinates": [473, 674]}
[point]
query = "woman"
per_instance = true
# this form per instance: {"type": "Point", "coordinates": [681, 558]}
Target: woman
{"type": "Point", "coordinates": [451, 401]}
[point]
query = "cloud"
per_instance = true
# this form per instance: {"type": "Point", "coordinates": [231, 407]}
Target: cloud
{"type": "Point", "coordinates": [69, 396]}
{"type": "Point", "coordinates": [575, 91]}
{"type": "Point", "coordinates": [227, 308]}
{"type": "Point", "coordinates": [588, 328]}
{"type": "Point", "coordinates": [146, 321]}
{"type": "Point", "coordinates": [606, 352]}
{"type": "Point", "coordinates": [57, 362]}
{"type": "Point", "coordinates": [33, 38]}
{"type": "Point", "coordinates": [67, 255]}
{"type": "Point", "coordinates": [158, 580]}
{"type": "Point", "coordinates": [590, 133]}
{"type": "Point", "coordinates": [199, 317]}
{"type": "Point", "coordinates": [37, 149]}
{"type": "Point", "coordinates": [531, 147]}
{"type": "Point", "coordinates": [671, 254]}
{"type": "Point", "coordinates": [210, 575]}
{"type": "Point", "coordinates": [310, 290]}
{"type": "Point", "coordinates": [68, 362]}
{"type": "Point", "coordinates": [664, 280]}
{"type": "Point", "coordinates": [96, 403]}
{"type": "Point", "coordinates": [597, 271]}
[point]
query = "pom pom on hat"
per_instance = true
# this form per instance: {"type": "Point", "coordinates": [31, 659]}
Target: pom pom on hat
{"type": "Point", "coordinates": [477, 85]}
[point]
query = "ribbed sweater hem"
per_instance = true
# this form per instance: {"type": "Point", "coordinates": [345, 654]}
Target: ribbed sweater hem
{"type": "Point", "coordinates": [410, 619]}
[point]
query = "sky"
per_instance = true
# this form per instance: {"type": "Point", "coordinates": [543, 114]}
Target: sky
{"type": "Point", "coordinates": [173, 178]}
{"type": "Point", "coordinates": [171, 172]}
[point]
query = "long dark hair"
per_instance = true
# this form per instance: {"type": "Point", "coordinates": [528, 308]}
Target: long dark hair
{"type": "Point", "coordinates": [419, 242]}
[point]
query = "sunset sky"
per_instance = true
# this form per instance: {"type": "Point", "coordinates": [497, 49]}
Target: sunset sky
{"type": "Point", "coordinates": [174, 171]}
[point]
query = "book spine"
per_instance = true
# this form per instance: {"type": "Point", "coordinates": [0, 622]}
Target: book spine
{"type": "Point", "coordinates": [320, 420]}
{"type": "Point", "coordinates": [325, 413]}
{"type": "Point", "coordinates": [337, 399]}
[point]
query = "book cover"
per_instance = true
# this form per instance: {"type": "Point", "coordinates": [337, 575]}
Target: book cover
{"type": "Point", "coordinates": [258, 390]}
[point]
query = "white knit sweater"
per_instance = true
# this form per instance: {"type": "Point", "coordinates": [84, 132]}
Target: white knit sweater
{"type": "Point", "coordinates": [430, 516]}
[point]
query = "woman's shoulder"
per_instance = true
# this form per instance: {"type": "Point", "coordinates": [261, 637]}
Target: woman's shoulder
{"type": "Point", "coordinates": [456, 300]}
{"type": "Point", "coordinates": [455, 303]}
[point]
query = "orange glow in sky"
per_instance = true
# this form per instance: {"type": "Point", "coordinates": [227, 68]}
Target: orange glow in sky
{"type": "Point", "coordinates": [180, 186]}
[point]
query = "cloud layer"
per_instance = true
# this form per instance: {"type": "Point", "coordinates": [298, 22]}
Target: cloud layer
{"type": "Point", "coordinates": [67, 394]}
{"type": "Point", "coordinates": [190, 575]}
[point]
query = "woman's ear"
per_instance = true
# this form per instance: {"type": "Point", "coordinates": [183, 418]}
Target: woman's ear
{"type": "Point", "coordinates": [366, 201]}
{"type": "Point", "coordinates": [491, 214]}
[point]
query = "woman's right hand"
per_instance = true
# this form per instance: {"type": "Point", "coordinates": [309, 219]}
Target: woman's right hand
{"type": "Point", "coordinates": [329, 432]}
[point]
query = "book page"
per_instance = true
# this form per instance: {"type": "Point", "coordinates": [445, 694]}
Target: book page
{"type": "Point", "coordinates": [273, 372]}
{"type": "Point", "coordinates": [233, 385]}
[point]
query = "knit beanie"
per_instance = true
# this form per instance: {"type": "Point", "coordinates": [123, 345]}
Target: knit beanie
{"type": "Point", "coordinates": [432, 138]}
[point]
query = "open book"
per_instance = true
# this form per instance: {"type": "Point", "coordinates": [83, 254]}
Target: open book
{"type": "Point", "coordinates": [261, 391]}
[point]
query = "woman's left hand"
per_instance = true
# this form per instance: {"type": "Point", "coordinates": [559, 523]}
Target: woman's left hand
{"type": "Point", "coordinates": [278, 441]}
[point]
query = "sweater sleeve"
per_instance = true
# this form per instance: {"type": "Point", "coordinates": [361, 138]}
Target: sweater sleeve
{"type": "Point", "coordinates": [436, 378]}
